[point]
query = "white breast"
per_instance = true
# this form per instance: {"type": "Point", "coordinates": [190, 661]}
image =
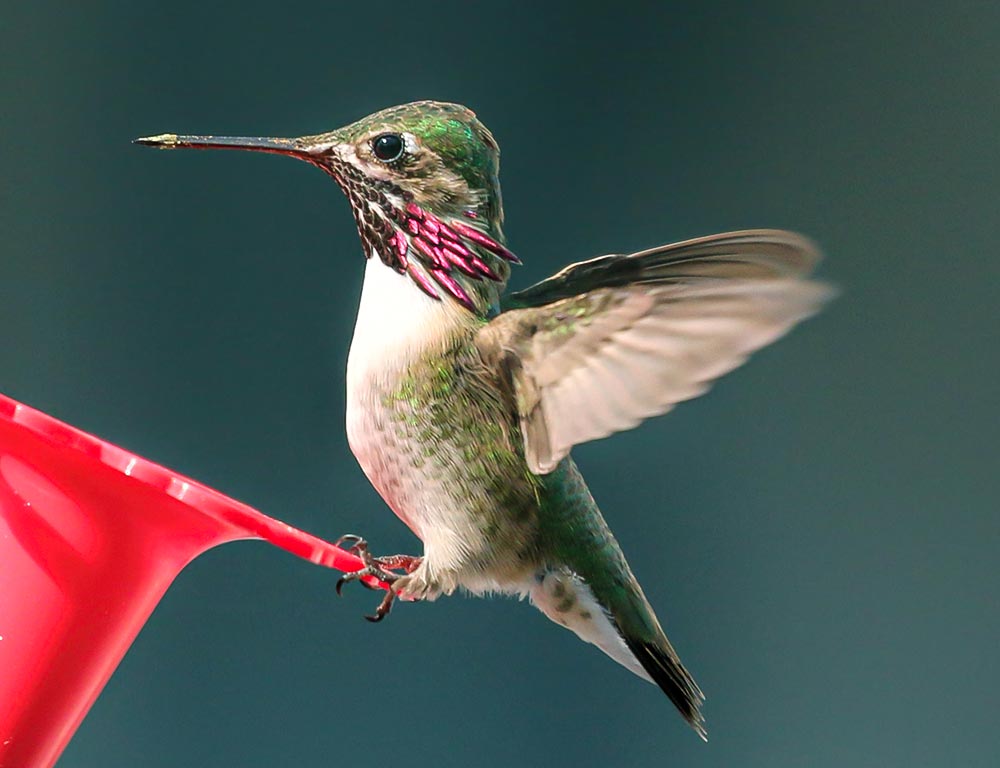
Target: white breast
{"type": "Point", "coordinates": [397, 323]}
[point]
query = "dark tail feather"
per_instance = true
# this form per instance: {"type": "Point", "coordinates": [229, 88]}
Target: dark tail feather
{"type": "Point", "coordinates": [675, 681]}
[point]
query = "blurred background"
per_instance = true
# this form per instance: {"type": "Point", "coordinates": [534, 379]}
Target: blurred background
{"type": "Point", "coordinates": [819, 533]}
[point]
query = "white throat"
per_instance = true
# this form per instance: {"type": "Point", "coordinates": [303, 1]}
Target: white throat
{"type": "Point", "coordinates": [396, 323]}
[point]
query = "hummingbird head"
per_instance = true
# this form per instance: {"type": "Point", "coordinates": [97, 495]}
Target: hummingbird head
{"type": "Point", "coordinates": [422, 180]}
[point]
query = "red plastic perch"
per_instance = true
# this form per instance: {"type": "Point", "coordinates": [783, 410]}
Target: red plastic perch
{"type": "Point", "coordinates": [91, 536]}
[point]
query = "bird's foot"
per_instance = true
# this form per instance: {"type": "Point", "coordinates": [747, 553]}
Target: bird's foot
{"type": "Point", "coordinates": [380, 567]}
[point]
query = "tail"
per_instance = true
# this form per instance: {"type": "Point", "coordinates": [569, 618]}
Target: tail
{"type": "Point", "coordinates": [662, 664]}
{"type": "Point", "coordinates": [624, 626]}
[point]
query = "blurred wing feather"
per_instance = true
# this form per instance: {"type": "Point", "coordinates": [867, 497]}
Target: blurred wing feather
{"type": "Point", "coordinates": [609, 342]}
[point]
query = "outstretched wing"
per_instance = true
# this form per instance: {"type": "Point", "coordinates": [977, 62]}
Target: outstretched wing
{"type": "Point", "coordinates": [608, 342]}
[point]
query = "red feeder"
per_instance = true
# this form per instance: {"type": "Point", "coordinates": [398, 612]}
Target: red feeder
{"type": "Point", "coordinates": [91, 536]}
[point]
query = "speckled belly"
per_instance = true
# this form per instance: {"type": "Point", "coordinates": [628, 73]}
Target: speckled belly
{"type": "Point", "coordinates": [437, 442]}
{"type": "Point", "coordinates": [387, 459]}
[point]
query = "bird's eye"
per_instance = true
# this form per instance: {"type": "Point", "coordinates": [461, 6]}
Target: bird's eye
{"type": "Point", "coordinates": [388, 147]}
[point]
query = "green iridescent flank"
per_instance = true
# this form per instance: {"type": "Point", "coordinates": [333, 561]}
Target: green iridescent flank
{"type": "Point", "coordinates": [450, 414]}
{"type": "Point", "coordinates": [457, 426]}
{"type": "Point", "coordinates": [577, 535]}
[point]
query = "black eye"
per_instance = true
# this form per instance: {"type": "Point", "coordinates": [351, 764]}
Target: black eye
{"type": "Point", "coordinates": [388, 147]}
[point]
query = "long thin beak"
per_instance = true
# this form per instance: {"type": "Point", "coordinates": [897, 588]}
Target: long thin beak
{"type": "Point", "coordinates": [292, 147]}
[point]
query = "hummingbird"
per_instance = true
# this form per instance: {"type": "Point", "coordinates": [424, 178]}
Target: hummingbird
{"type": "Point", "coordinates": [464, 401]}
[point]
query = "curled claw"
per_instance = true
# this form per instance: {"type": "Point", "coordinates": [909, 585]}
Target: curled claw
{"type": "Point", "coordinates": [380, 567]}
{"type": "Point", "coordinates": [359, 547]}
{"type": "Point", "coordinates": [340, 585]}
{"type": "Point", "coordinates": [354, 540]}
{"type": "Point", "coordinates": [383, 608]}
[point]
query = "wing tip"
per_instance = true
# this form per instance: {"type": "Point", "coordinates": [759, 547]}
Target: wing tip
{"type": "Point", "coordinates": [807, 252]}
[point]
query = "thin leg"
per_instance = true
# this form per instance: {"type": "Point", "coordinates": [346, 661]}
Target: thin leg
{"type": "Point", "coordinates": [380, 567]}
{"type": "Point", "coordinates": [405, 563]}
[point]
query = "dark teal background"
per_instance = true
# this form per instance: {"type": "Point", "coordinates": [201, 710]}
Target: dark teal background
{"type": "Point", "coordinates": [820, 533]}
